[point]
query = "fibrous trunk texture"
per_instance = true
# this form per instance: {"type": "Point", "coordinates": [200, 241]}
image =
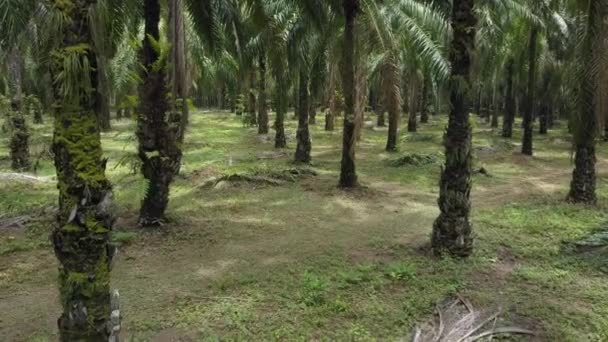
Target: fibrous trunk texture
{"type": "Point", "coordinates": [262, 106]}
{"type": "Point", "coordinates": [583, 185]}
{"type": "Point", "coordinates": [302, 154]}
{"type": "Point", "coordinates": [178, 68]}
{"type": "Point", "coordinates": [157, 132]}
{"type": "Point", "coordinates": [392, 100]}
{"type": "Point", "coordinates": [81, 237]}
{"type": "Point", "coordinates": [19, 144]}
{"type": "Point", "coordinates": [348, 174]}
{"type": "Point", "coordinates": [526, 147]}
{"type": "Point", "coordinates": [452, 231]}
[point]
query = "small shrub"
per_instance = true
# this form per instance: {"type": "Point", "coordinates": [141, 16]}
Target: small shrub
{"type": "Point", "coordinates": [123, 238]}
{"type": "Point", "coordinates": [399, 271]}
{"type": "Point", "coordinates": [314, 289]}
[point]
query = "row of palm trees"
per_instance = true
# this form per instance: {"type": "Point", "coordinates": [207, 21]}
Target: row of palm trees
{"type": "Point", "coordinates": [479, 55]}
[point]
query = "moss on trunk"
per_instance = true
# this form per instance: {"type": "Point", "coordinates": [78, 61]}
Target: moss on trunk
{"type": "Point", "coordinates": [81, 237]}
{"type": "Point", "coordinates": [158, 131]}
{"type": "Point", "coordinates": [19, 143]}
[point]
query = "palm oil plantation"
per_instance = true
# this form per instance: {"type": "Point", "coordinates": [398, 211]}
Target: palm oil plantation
{"type": "Point", "coordinates": [304, 170]}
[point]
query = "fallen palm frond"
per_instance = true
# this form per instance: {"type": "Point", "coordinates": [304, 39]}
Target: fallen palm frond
{"type": "Point", "coordinates": [273, 178]}
{"type": "Point", "coordinates": [459, 321]}
{"type": "Point", "coordinates": [415, 159]}
{"type": "Point", "coordinates": [13, 176]}
{"type": "Point", "coordinates": [21, 220]}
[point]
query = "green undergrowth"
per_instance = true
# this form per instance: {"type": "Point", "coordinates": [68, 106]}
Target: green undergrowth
{"type": "Point", "coordinates": [304, 260]}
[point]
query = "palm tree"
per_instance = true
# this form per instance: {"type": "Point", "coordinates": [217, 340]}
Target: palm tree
{"type": "Point", "coordinates": [348, 174]}
{"type": "Point", "coordinates": [302, 154]}
{"type": "Point", "coordinates": [452, 231]}
{"type": "Point", "coordinates": [526, 147]}
{"type": "Point", "coordinates": [582, 187]}
{"type": "Point", "coordinates": [262, 105]}
{"type": "Point", "coordinates": [81, 238]}
{"type": "Point", "coordinates": [509, 117]}
{"type": "Point", "coordinates": [157, 132]}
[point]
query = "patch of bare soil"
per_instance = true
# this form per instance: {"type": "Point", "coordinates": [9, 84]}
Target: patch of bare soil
{"type": "Point", "coordinates": [207, 172]}
{"type": "Point", "coordinates": [328, 186]}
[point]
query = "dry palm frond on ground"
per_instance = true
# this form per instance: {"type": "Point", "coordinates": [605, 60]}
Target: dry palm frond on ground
{"type": "Point", "coordinates": [458, 321]}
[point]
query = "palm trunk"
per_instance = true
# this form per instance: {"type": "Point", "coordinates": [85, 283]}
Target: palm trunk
{"type": "Point", "coordinates": [413, 110]}
{"type": "Point", "coordinates": [281, 110]}
{"type": "Point", "coordinates": [360, 100]}
{"type": "Point", "coordinates": [530, 99]}
{"type": "Point", "coordinates": [392, 100]}
{"type": "Point", "coordinates": [509, 117]}
{"type": "Point", "coordinates": [424, 113]}
{"type": "Point", "coordinates": [348, 174]}
{"type": "Point", "coordinates": [262, 110]}
{"type": "Point", "coordinates": [380, 119]}
{"type": "Point", "coordinates": [178, 68]}
{"type": "Point", "coordinates": [452, 232]}
{"type": "Point", "coordinates": [303, 148]}
{"type": "Point", "coordinates": [102, 92]}
{"type": "Point", "coordinates": [19, 142]}
{"type": "Point", "coordinates": [312, 112]}
{"type": "Point", "coordinates": [543, 112]}
{"type": "Point", "coordinates": [81, 237]}
{"type": "Point", "coordinates": [494, 123]}
{"type": "Point", "coordinates": [478, 100]}
{"type": "Point", "coordinates": [583, 185]}
{"type": "Point", "coordinates": [543, 119]}
{"type": "Point", "coordinates": [330, 116]}
{"type": "Point", "coordinates": [251, 118]}
{"type": "Point", "coordinates": [157, 133]}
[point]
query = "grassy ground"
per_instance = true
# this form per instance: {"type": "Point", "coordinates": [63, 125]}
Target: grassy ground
{"type": "Point", "coordinates": [305, 261]}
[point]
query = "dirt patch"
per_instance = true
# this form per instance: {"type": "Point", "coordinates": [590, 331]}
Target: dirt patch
{"type": "Point", "coordinates": [205, 173]}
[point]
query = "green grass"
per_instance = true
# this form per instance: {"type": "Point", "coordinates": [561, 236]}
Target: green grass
{"type": "Point", "coordinates": [306, 261]}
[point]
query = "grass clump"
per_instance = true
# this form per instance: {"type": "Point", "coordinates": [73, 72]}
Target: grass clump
{"type": "Point", "coordinates": [314, 289]}
{"type": "Point", "coordinates": [415, 159]}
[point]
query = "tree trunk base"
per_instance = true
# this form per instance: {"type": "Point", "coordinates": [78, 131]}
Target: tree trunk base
{"type": "Point", "coordinates": [583, 184]}
{"type": "Point", "coordinates": [19, 144]}
{"type": "Point", "coordinates": [329, 122]}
